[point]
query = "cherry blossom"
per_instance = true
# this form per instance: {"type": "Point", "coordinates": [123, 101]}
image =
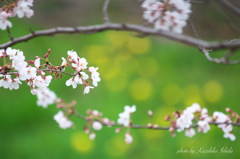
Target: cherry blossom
{"type": "Point", "coordinates": [167, 15]}
{"type": "Point", "coordinates": [82, 76]}
{"type": "Point", "coordinates": [37, 63]}
{"type": "Point", "coordinates": [2, 53]}
{"type": "Point", "coordinates": [226, 128]}
{"type": "Point", "coordinates": [22, 9]}
{"type": "Point", "coordinates": [63, 122]}
{"type": "Point", "coordinates": [4, 23]}
{"type": "Point", "coordinates": [124, 117]}
{"type": "Point", "coordinates": [5, 82]}
{"type": "Point", "coordinates": [64, 62]}
{"type": "Point", "coordinates": [128, 138]}
{"type": "Point", "coordinates": [185, 120]}
{"type": "Point", "coordinates": [92, 136]}
{"type": "Point", "coordinates": [190, 132]}
{"type": "Point", "coordinates": [97, 125]}
{"type": "Point", "coordinates": [11, 52]}
{"type": "Point", "coordinates": [129, 109]}
{"type": "Point", "coordinates": [230, 136]}
{"type": "Point", "coordinates": [203, 126]}
{"type": "Point", "coordinates": [14, 84]}
{"type": "Point", "coordinates": [87, 89]}
{"type": "Point", "coordinates": [45, 97]}
{"type": "Point", "coordinates": [74, 81]}
{"type": "Point", "coordinates": [28, 73]}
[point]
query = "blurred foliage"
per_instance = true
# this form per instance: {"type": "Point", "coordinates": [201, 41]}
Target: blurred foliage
{"type": "Point", "coordinates": [153, 73]}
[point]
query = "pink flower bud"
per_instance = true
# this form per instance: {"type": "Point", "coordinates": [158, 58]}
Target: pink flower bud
{"type": "Point", "coordinates": [149, 125]}
{"type": "Point", "coordinates": [155, 126]}
{"type": "Point", "coordinates": [150, 113]}
{"type": "Point", "coordinates": [92, 135]}
{"type": "Point", "coordinates": [118, 130]}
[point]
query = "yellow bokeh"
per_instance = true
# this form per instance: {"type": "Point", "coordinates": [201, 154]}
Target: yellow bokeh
{"type": "Point", "coordinates": [96, 54]}
{"type": "Point", "coordinates": [192, 95]}
{"type": "Point", "coordinates": [81, 142]}
{"type": "Point", "coordinates": [141, 89]}
{"type": "Point", "coordinates": [117, 84]}
{"type": "Point", "coordinates": [110, 70]}
{"type": "Point", "coordinates": [194, 99]}
{"type": "Point", "coordinates": [130, 66]}
{"type": "Point", "coordinates": [172, 94]}
{"type": "Point", "coordinates": [116, 146]}
{"type": "Point", "coordinates": [117, 39]}
{"type": "Point", "coordinates": [213, 91]}
{"type": "Point", "coordinates": [148, 67]}
{"type": "Point", "coordinates": [138, 45]}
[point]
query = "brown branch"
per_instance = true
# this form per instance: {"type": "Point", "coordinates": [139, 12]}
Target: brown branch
{"type": "Point", "coordinates": [123, 27]}
{"type": "Point", "coordinates": [223, 60]}
{"type": "Point", "coordinates": [133, 126]}
{"type": "Point", "coordinates": [44, 70]}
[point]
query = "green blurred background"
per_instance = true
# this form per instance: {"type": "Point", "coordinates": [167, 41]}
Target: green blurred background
{"type": "Point", "coordinates": [152, 73]}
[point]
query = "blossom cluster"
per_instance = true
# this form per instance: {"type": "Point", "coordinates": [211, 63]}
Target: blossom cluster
{"type": "Point", "coordinates": [125, 120]}
{"type": "Point", "coordinates": [193, 116]}
{"type": "Point", "coordinates": [63, 122]}
{"type": "Point", "coordinates": [124, 117]}
{"type": "Point", "coordinates": [193, 113]}
{"type": "Point", "coordinates": [167, 14]}
{"type": "Point", "coordinates": [25, 72]}
{"type": "Point", "coordinates": [94, 120]}
{"type": "Point", "coordinates": [16, 69]}
{"type": "Point", "coordinates": [20, 8]}
{"type": "Point", "coordinates": [80, 65]}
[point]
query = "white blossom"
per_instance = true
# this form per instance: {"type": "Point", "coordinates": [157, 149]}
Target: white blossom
{"type": "Point", "coordinates": [45, 97]}
{"type": "Point", "coordinates": [22, 9]}
{"type": "Point", "coordinates": [87, 89]}
{"type": "Point", "coordinates": [129, 109]}
{"type": "Point", "coordinates": [128, 138]}
{"type": "Point", "coordinates": [11, 52]}
{"type": "Point", "coordinates": [37, 63]}
{"type": "Point", "coordinates": [97, 125]}
{"type": "Point", "coordinates": [6, 81]}
{"type": "Point", "coordinates": [230, 135]}
{"type": "Point", "coordinates": [124, 117]}
{"type": "Point", "coordinates": [190, 132]}
{"type": "Point", "coordinates": [63, 122]}
{"type": "Point", "coordinates": [64, 62]}
{"type": "Point", "coordinates": [72, 55]}
{"type": "Point", "coordinates": [168, 14]}
{"type": "Point", "coordinates": [185, 120]}
{"type": "Point", "coordinates": [4, 22]}
{"type": "Point", "coordinates": [220, 117]}
{"type": "Point", "coordinates": [27, 73]}
{"type": "Point", "coordinates": [203, 126]}
{"type": "Point", "coordinates": [14, 84]}
{"type": "Point", "coordinates": [92, 136]}
{"type": "Point", "coordinates": [74, 81]}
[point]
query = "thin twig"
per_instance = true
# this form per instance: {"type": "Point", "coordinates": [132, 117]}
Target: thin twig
{"type": "Point", "coordinates": [228, 5]}
{"type": "Point", "coordinates": [228, 20]}
{"type": "Point", "coordinates": [9, 34]}
{"type": "Point", "coordinates": [45, 70]}
{"type": "Point", "coordinates": [105, 12]}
